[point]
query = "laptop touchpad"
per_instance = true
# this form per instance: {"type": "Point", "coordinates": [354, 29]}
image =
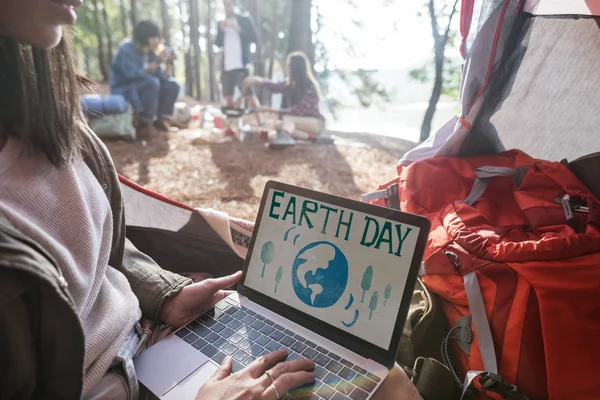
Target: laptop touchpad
{"type": "Point", "coordinates": [167, 363]}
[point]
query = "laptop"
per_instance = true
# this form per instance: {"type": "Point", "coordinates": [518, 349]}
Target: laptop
{"type": "Point", "coordinates": [326, 278]}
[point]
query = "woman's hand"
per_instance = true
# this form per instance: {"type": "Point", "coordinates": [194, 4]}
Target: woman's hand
{"type": "Point", "coordinates": [196, 299]}
{"type": "Point", "coordinates": [267, 378]}
{"type": "Point", "coordinates": [251, 81]}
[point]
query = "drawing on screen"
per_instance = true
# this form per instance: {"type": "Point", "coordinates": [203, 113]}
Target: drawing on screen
{"type": "Point", "coordinates": [287, 233]}
{"type": "Point", "coordinates": [278, 277]}
{"type": "Point", "coordinates": [320, 274]}
{"type": "Point", "coordinates": [387, 294]}
{"type": "Point", "coordinates": [350, 301]}
{"type": "Point", "coordinates": [373, 303]}
{"type": "Point", "coordinates": [356, 315]}
{"type": "Point", "coordinates": [266, 255]}
{"type": "Point", "coordinates": [365, 284]}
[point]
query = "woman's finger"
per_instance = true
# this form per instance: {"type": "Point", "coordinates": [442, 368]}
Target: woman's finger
{"type": "Point", "coordinates": [301, 364]}
{"type": "Point", "coordinates": [220, 295]}
{"type": "Point", "coordinates": [264, 363]}
{"type": "Point", "coordinates": [225, 282]}
{"type": "Point", "coordinates": [224, 370]}
{"type": "Point", "coordinates": [287, 382]}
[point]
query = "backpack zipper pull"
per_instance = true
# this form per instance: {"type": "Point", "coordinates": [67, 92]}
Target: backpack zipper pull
{"type": "Point", "coordinates": [565, 202]}
{"type": "Point", "coordinates": [62, 281]}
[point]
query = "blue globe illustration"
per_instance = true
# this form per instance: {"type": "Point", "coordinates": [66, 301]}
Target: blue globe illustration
{"type": "Point", "coordinates": [320, 274]}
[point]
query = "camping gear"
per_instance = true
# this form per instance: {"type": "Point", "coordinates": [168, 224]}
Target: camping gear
{"type": "Point", "coordinates": [96, 105]}
{"type": "Point", "coordinates": [115, 126]}
{"type": "Point", "coordinates": [528, 82]}
{"type": "Point", "coordinates": [508, 233]}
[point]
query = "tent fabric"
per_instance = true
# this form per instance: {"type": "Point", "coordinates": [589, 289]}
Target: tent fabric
{"type": "Point", "coordinates": [483, 57]}
{"type": "Point", "coordinates": [181, 239]}
{"type": "Point", "coordinates": [562, 7]}
{"type": "Point", "coordinates": [528, 82]}
{"type": "Point", "coordinates": [546, 99]}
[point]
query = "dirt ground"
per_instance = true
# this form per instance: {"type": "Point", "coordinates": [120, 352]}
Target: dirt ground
{"type": "Point", "coordinates": [229, 176]}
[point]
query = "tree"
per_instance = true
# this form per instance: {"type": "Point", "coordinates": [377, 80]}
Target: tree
{"type": "Point", "coordinates": [365, 284]}
{"type": "Point", "coordinates": [123, 16]}
{"type": "Point", "coordinates": [109, 40]}
{"type": "Point", "coordinates": [278, 277]}
{"type": "Point", "coordinates": [300, 38]}
{"type": "Point", "coordinates": [165, 22]}
{"type": "Point", "coordinates": [259, 65]}
{"type": "Point", "coordinates": [195, 46]}
{"type": "Point", "coordinates": [387, 294]}
{"type": "Point", "coordinates": [440, 41]}
{"type": "Point", "coordinates": [266, 255]}
{"type": "Point", "coordinates": [373, 303]}
{"type": "Point", "coordinates": [98, 31]}
{"type": "Point", "coordinates": [134, 14]}
{"type": "Point", "coordinates": [210, 52]}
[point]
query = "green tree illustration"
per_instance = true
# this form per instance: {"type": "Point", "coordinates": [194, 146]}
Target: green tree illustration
{"type": "Point", "coordinates": [278, 277]}
{"type": "Point", "coordinates": [365, 284]}
{"type": "Point", "coordinates": [373, 303]}
{"type": "Point", "coordinates": [266, 255]}
{"type": "Point", "coordinates": [387, 293]}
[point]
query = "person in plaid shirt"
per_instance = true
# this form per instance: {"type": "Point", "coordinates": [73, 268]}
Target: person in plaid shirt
{"type": "Point", "coordinates": [302, 120]}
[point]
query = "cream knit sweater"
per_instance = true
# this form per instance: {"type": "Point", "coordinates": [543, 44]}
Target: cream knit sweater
{"type": "Point", "coordinates": [66, 211]}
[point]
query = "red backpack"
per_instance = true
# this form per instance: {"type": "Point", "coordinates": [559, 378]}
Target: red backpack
{"type": "Point", "coordinates": [514, 255]}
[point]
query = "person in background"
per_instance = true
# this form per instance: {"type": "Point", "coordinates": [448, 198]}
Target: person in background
{"type": "Point", "coordinates": [138, 75]}
{"type": "Point", "coordinates": [234, 36]}
{"type": "Point", "coordinates": [302, 120]}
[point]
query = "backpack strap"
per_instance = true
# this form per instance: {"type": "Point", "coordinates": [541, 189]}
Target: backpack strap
{"type": "Point", "coordinates": [390, 194]}
{"type": "Point", "coordinates": [489, 379]}
{"type": "Point", "coordinates": [484, 176]}
{"type": "Point", "coordinates": [482, 326]}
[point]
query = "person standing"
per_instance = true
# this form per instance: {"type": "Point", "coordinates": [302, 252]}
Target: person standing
{"type": "Point", "coordinates": [139, 76]}
{"type": "Point", "coordinates": [234, 36]}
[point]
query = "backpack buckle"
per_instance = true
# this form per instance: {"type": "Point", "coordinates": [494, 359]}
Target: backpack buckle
{"type": "Point", "coordinates": [495, 383]}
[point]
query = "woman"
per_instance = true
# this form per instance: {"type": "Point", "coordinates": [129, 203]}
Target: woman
{"type": "Point", "coordinates": [72, 287]}
{"type": "Point", "coordinates": [302, 120]}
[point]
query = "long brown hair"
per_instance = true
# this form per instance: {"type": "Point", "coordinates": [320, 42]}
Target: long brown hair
{"type": "Point", "coordinates": [39, 99]}
{"type": "Point", "coordinates": [300, 76]}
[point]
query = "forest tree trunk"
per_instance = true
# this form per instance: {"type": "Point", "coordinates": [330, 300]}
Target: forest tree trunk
{"type": "Point", "coordinates": [210, 52]}
{"type": "Point", "coordinates": [300, 30]}
{"type": "Point", "coordinates": [440, 42]}
{"type": "Point", "coordinates": [195, 45]}
{"type": "Point", "coordinates": [109, 40]}
{"type": "Point", "coordinates": [259, 63]}
{"type": "Point", "coordinates": [98, 31]}
{"type": "Point", "coordinates": [133, 15]}
{"type": "Point", "coordinates": [166, 30]}
{"type": "Point", "coordinates": [123, 15]}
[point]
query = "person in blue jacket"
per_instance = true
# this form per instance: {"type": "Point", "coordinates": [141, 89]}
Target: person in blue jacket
{"type": "Point", "coordinates": [145, 79]}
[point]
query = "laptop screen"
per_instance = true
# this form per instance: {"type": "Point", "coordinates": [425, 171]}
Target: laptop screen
{"type": "Point", "coordinates": [346, 268]}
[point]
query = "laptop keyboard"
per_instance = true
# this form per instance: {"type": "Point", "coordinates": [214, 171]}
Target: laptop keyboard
{"type": "Point", "coordinates": [232, 330]}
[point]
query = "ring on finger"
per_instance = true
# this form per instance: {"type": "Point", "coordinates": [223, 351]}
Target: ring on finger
{"type": "Point", "coordinates": [276, 391]}
{"type": "Point", "coordinates": [268, 373]}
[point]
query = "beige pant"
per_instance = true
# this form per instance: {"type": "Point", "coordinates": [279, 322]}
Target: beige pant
{"type": "Point", "coordinates": [302, 127]}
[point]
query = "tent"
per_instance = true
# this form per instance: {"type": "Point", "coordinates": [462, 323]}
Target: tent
{"type": "Point", "coordinates": [529, 81]}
